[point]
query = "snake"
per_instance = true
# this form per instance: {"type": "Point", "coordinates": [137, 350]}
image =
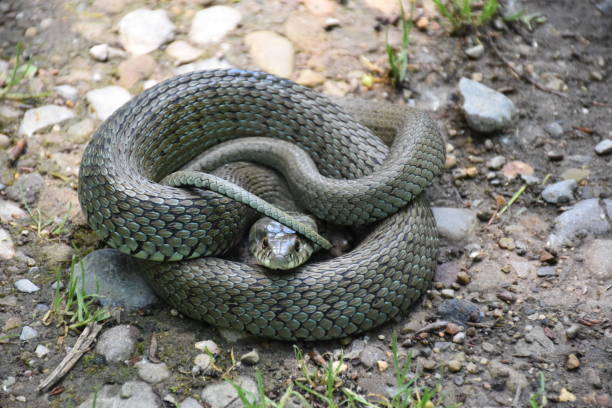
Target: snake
{"type": "Point", "coordinates": [179, 223]}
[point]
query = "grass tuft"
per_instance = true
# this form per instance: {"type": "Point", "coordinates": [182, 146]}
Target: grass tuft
{"type": "Point", "coordinates": [19, 72]}
{"type": "Point", "coordinates": [462, 15]}
{"type": "Point", "coordinates": [398, 58]}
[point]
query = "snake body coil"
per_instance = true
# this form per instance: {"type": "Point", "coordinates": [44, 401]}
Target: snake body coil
{"type": "Point", "coordinates": [361, 180]}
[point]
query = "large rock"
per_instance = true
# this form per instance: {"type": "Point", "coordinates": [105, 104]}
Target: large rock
{"type": "Point", "coordinates": [584, 217]}
{"type": "Point", "coordinates": [271, 52]}
{"type": "Point", "coordinates": [210, 25]}
{"type": "Point", "coordinates": [117, 343]}
{"type": "Point", "coordinates": [104, 101]}
{"type": "Point", "coordinates": [132, 394]}
{"type": "Point", "coordinates": [485, 110]}
{"type": "Point", "coordinates": [142, 31]}
{"type": "Point", "coordinates": [40, 118]}
{"type": "Point", "coordinates": [455, 224]}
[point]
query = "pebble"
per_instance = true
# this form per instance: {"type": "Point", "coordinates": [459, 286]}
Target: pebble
{"type": "Point", "coordinates": [463, 278]}
{"type": "Point", "coordinates": [132, 394]}
{"type": "Point", "coordinates": [117, 280]}
{"type": "Point", "coordinates": [459, 311]}
{"type": "Point", "coordinates": [183, 52]}
{"type": "Point", "coordinates": [604, 147]}
{"type": "Point", "coordinates": [271, 52]}
{"type": "Point", "coordinates": [496, 163]}
{"type": "Point", "coordinates": [555, 156]}
{"type": "Point", "coordinates": [475, 52]}
{"type": "Point", "coordinates": [5, 141]}
{"type": "Point", "coordinates": [516, 168]}
{"type": "Point", "coordinates": [117, 343]}
{"type": "Point", "coordinates": [26, 188]}
{"type": "Point", "coordinates": [584, 216]}
{"type": "Point", "coordinates": [310, 78]}
{"type": "Point", "coordinates": [57, 253]}
{"type": "Point", "coordinates": [546, 271]}
{"type": "Point", "coordinates": [208, 346]}
{"type": "Point", "coordinates": [104, 101]}
{"type": "Point", "coordinates": [455, 366]}
{"type": "Point", "coordinates": [42, 117]}
{"type": "Point", "coordinates": [104, 52]}
{"type": "Point", "coordinates": [69, 93]}
{"type": "Point", "coordinates": [190, 403]}
{"type": "Point", "coordinates": [26, 286]}
{"type": "Point", "coordinates": [79, 132]}
{"type": "Point", "coordinates": [142, 31]}
{"type": "Point", "coordinates": [203, 361]}
{"type": "Point", "coordinates": [135, 69]}
{"type": "Point", "coordinates": [506, 243]}
{"type": "Point", "coordinates": [566, 396]}
{"type": "Point", "coordinates": [212, 24]}
{"type": "Point", "coordinates": [575, 174]}
{"type": "Point", "coordinates": [8, 383]}
{"type": "Point", "coordinates": [371, 353]}
{"type": "Point", "coordinates": [152, 373]}
{"type": "Point", "coordinates": [41, 351]}
{"type": "Point", "coordinates": [561, 192]}
{"type": "Point", "coordinates": [554, 129]}
{"type": "Point", "coordinates": [572, 331]}
{"type": "Point", "coordinates": [447, 293]}
{"type": "Point", "coordinates": [471, 368]}
{"type": "Point", "coordinates": [597, 259]}
{"type": "Point", "coordinates": [7, 248]}
{"type": "Point", "coordinates": [485, 110]}
{"type": "Point", "coordinates": [250, 358]}
{"type": "Point", "coordinates": [455, 224]}
{"type": "Point", "coordinates": [572, 362]}
{"type": "Point", "coordinates": [459, 338]}
{"type": "Point", "coordinates": [28, 333]}
{"type": "Point", "coordinates": [224, 395]}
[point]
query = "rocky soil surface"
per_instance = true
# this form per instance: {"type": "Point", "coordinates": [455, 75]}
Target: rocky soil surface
{"type": "Point", "coordinates": [523, 289]}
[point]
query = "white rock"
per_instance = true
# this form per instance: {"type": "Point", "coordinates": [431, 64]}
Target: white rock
{"type": "Point", "coordinates": [183, 52]}
{"type": "Point", "coordinates": [271, 52]}
{"type": "Point", "coordinates": [9, 211]}
{"type": "Point", "coordinates": [212, 24]}
{"type": "Point", "coordinates": [151, 372]}
{"type": "Point", "coordinates": [26, 286]}
{"type": "Point", "coordinates": [41, 351]}
{"type": "Point", "coordinates": [7, 248]}
{"type": "Point", "coordinates": [39, 118]}
{"type": "Point", "coordinates": [104, 101]}
{"type": "Point", "coordinates": [203, 361]}
{"type": "Point", "coordinates": [208, 346]}
{"type": "Point", "coordinates": [28, 333]}
{"type": "Point", "coordinates": [69, 93]}
{"type": "Point", "coordinates": [203, 65]}
{"type": "Point", "coordinates": [99, 52]}
{"type": "Point", "coordinates": [142, 31]}
{"type": "Point", "coordinates": [486, 110]}
{"type": "Point", "coordinates": [190, 403]}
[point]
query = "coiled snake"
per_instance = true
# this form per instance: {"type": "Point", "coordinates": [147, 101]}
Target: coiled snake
{"type": "Point", "coordinates": [360, 181]}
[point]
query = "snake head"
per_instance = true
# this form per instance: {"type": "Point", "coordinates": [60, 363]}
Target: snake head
{"type": "Point", "coordinates": [276, 246]}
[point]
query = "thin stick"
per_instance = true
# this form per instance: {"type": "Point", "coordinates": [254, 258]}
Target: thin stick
{"type": "Point", "coordinates": [513, 199]}
{"type": "Point", "coordinates": [80, 347]}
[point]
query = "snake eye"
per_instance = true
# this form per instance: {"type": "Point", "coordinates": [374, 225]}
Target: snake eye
{"type": "Point", "coordinates": [264, 242]}
{"type": "Point", "coordinates": [297, 245]}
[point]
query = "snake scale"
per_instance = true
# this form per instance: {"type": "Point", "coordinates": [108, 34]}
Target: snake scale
{"type": "Point", "coordinates": [359, 180]}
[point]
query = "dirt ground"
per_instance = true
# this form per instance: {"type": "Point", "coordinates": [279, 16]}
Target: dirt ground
{"type": "Point", "coordinates": [530, 324]}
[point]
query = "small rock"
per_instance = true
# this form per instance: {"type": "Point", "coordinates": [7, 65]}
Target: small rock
{"type": "Point", "coordinates": [310, 78]}
{"type": "Point", "coordinates": [554, 129]}
{"type": "Point", "coordinates": [475, 52]}
{"type": "Point", "coordinates": [382, 366]}
{"type": "Point", "coordinates": [546, 271]}
{"type": "Point", "coordinates": [455, 224]}
{"type": "Point", "coordinates": [45, 116]}
{"type": "Point", "coordinates": [572, 362]}
{"type": "Point", "coordinates": [463, 278]}
{"type": "Point", "coordinates": [592, 377]}
{"type": "Point", "coordinates": [79, 132]}
{"type": "Point", "coordinates": [572, 331]}
{"type": "Point", "coordinates": [190, 403]}
{"type": "Point", "coordinates": [26, 188]}
{"type": "Point", "coordinates": [208, 346]}
{"type": "Point", "coordinates": [57, 253]}
{"type": "Point", "coordinates": [224, 395]}
{"type": "Point", "coordinates": [135, 69]}
{"type": "Point", "coordinates": [183, 52]}
{"type": "Point", "coordinates": [336, 88]}
{"type": "Point", "coordinates": [69, 93]}
{"type": "Point", "coordinates": [584, 216]}
{"type": "Point", "coordinates": [151, 372]}
{"type": "Point", "coordinates": [117, 343]}
{"type": "Point", "coordinates": [496, 162]}
{"type": "Point", "coordinates": [515, 168]}
{"type": "Point", "coordinates": [447, 293]}
{"type": "Point", "coordinates": [7, 248]}
{"type": "Point", "coordinates": [575, 174]}
{"type": "Point", "coordinates": [459, 338]}
{"type": "Point", "coordinates": [132, 394]}
{"type": "Point", "coordinates": [28, 333]}
{"type": "Point", "coordinates": [560, 193]}
{"type": "Point", "coordinates": [11, 323]}
{"type": "Point", "coordinates": [104, 101]}
{"type": "Point", "coordinates": [250, 358]}
{"type": "Point", "coordinates": [271, 52]}
{"type": "Point", "coordinates": [203, 361]}
{"type": "Point", "coordinates": [213, 23]}
{"type": "Point", "coordinates": [486, 110]}
{"type": "Point", "coordinates": [26, 286]}
{"type": "Point", "coordinates": [116, 280]}
{"type": "Point", "coordinates": [459, 311]}
{"type": "Point", "coordinates": [455, 366]}
{"type": "Point", "coordinates": [99, 52]}
{"type": "Point", "coordinates": [41, 351]}
{"type": "Point", "coordinates": [8, 383]}
{"type": "Point", "coordinates": [506, 243]}
{"type": "Point", "coordinates": [604, 147]}
{"type": "Point", "coordinates": [142, 31]}
{"type": "Point", "coordinates": [597, 259]}
{"type": "Point", "coordinates": [555, 156]}
{"type": "Point", "coordinates": [5, 141]}
{"type": "Point", "coordinates": [566, 396]}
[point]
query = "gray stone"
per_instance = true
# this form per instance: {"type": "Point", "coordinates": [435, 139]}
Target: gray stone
{"type": "Point", "coordinates": [475, 52]}
{"type": "Point", "coordinates": [455, 224]}
{"type": "Point", "coordinates": [212, 24]}
{"type": "Point", "coordinates": [371, 353]}
{"type": "Point", "coordinates": [560, 193]}
{"type": "Point", "coordinates": [45, 116]}
{"type": "Point", "coordinates": [535, 344]}
{"type": "Point", "coordinates": [117, 343]}
{"type": "Point", "coordinates": [604, 147]}
{"type": "Point", "coordinates": [117, 280]}
{"type": "Point", "coordinates": [152, 373]}
{"type": "Point", "coordinates": [104, 101]}
{"type": "Point", "coordinates": [496, 162]}
{"type": "Point", "coordinates": [28, 333]}
{"type": "Point", "coordinates": [8, 383]}
{"type": "Point", "coordinates": [546, 272]}
{"type": "Point", "coordinates": [26, 188]}
{"type": "Point", "coordinates": [597, 259]}
{"type": "Point", "coordinates": [132, 394]}
{"type": "Point", "coordinates": [271, 52]}
{"type": "Point", "coordinates": [554, 129]}
{"type": "Point", "coordinates": [7, 248]}
{"type": "Point", "coordinates": [485, 110]}
{"type": "Point", "coordinates": [224, 395]}
{"type": "Point", "coordinates": [69, 93]}
{"type": "Point", "coordinates": [190, 403]}
{"type": "Point", "coordinates": [142, 31]}
{"type": "Point", "coordinates": [584, 217]}
{"type": "Point", "coordinates": [41, 351]}
{"type": "Point", "coordinates": [459, 311]}
{"type": "Point", "coordinates": [26, 286]}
